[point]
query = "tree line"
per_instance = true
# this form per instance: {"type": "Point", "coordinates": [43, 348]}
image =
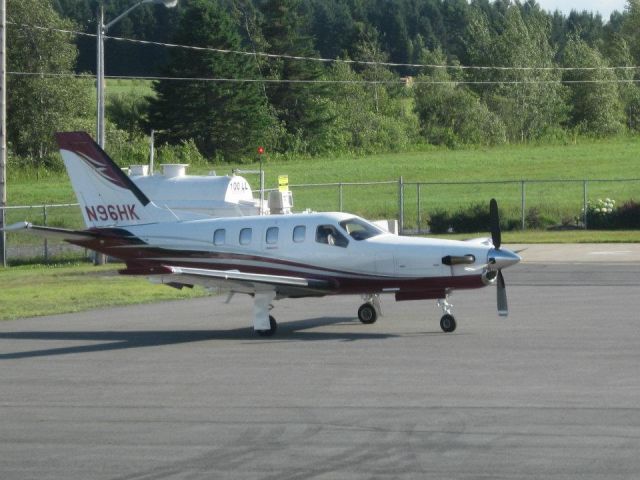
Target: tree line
{"type": "Point", "coordinates": [545, 76]}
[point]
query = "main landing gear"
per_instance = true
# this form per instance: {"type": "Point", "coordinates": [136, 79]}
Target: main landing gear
{"type": "Point", "coordinates": [448, 321]}
{"type": "Point", "coordinates": [370, 310]}
{"type": "Point", "coordinates": [263, 323]}
{"type": "Point", "coordinates": [273, 326]}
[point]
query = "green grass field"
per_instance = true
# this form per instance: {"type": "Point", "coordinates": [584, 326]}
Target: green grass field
{"type": "Point", "coordinates": [35, 290]}
{"type": "Point", "coordinates": [139, 87]}
{"type": "Point", "coordinates": [609, 159]}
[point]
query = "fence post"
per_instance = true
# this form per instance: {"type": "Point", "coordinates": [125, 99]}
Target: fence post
{"type": "Point", "coordinates": [340, 197]}
{"type": "Point", "coordinates": [418, 209]}
{"type": "Point", "coordinates": [584, 202]}
{"type": "Point", "coordinates": [3, 238]}
{"type": "Point", "coordinates": [46, 242]}
{"type": "Point", "coordinates": [523, 203]}
{"type": "Point", "coordinates": [400, 206]}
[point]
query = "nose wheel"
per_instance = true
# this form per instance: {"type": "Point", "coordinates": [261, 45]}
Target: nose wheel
{"type": "Point", "coordinates": [448, 321]}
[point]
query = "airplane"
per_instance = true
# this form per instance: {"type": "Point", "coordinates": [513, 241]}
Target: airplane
{"type": "Point", "coordinates": [269, 257]}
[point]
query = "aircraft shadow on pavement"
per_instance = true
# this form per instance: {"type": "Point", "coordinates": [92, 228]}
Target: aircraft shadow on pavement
{"type": "Point", "coordinates": [101, 341]}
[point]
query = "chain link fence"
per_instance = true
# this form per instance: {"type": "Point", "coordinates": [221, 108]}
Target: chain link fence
{"type": "Point", "coordinates": [411, 203]}
{"type": "Point", "coordinates": [21, 247]}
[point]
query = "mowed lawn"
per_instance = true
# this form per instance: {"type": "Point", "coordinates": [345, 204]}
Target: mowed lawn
{"type": "Point", "coordinates": [585, 159]}
{"type": "Point", "coordinates": [34, 290]}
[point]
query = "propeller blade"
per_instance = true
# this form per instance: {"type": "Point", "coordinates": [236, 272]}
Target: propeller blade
{"type": "Point", "coordinates": [503, 308]}
{"type": "Point", "coordinates": [494, 219]}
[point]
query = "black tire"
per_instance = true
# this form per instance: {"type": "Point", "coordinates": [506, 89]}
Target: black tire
{"type": "Point", "coordinates": [448, 323]}
{"type": "Point", "coordinates": [271, 332]}
{"type": "Point", "coordinates": [367, 313]}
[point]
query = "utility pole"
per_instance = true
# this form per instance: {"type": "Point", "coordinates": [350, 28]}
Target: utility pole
{"type": "Point", "coordinates": [100, 77]}
{"type": "Point", "coordinates": [102, 29]}
{"type": "Point", "coordinates": [3, 129]}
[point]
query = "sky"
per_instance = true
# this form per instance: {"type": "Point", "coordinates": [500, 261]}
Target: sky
{"type": "Point", "coordinates": [604, 7]}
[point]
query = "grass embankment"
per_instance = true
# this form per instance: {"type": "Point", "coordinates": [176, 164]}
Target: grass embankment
{"type": "Point", "coordinates": [586, 159]}
{"type": "Point", "coordinates": [45, 290]}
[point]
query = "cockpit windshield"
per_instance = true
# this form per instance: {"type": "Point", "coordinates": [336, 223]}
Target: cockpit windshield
{"type": "Point", "coordinates": [360, 229]}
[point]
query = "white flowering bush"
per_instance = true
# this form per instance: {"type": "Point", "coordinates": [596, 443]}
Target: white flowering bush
{"type": "Point", "coordinates": [602, 207]}
{"type": "Point", "coordinates": [600, 213]}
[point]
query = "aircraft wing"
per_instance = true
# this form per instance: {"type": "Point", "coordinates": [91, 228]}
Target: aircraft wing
{"type": "Point", "coordinates": [244, 282]}
{"type": "Point", "coordinates": [50, 232]}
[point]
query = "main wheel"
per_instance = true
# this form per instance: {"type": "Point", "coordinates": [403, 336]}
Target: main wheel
{"type": "Point", "coordinates": [272, 330]}
{"type": "Point", "coordinates": [448, 323]}
{"type": "Point", "coordinates": [367, 313]}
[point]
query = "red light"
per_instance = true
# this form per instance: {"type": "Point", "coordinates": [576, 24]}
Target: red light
{"type": "Point", "coordinates": [260, 150]}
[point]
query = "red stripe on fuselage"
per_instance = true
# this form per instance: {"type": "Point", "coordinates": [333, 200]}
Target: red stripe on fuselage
{"type": "Point", "coordinates": [146, 260]}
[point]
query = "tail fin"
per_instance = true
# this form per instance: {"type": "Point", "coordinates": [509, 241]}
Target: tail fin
{"type": "Point", "coordinates": [106, 195]}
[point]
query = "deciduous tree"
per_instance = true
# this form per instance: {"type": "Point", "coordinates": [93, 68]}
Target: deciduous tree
{"type": "Point", "coordinates": [39, 104]}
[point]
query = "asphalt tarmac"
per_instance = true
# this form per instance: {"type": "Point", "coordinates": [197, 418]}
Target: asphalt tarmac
{"type": "Point", "coordinates": [184, 390]}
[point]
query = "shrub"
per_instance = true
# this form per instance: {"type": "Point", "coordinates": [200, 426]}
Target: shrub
{"type": "Point", "coordinates": [439, 222]}
{"type": "Point", "coordinates": [472, 219]}
{"type": "Point", "coordinates": [127, 111]}
{"type": "Point", "coordinates": [600, 214]}
{"type": "Point", "coordinates": [628, 215]}
{"type": "Point", "coordinates": [185, 152]}
{"type": "Point", "coordinates": [537, 220]}
{"type": "Point", "coordinates": [605, 215]}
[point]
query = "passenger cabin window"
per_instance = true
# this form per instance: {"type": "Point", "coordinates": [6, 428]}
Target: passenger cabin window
{"type": "Point", "coordinates": [245, 236]}
{"type": "Point", "coordinates": [299, 233]}
{"type": "Point", "coordinates": [272, 235]}
{"type": "Point", "coordinates": [330, 235]}
{"type": "Point", "coordinates": [360, 229]}
{"type": "Point", "coordinates": [218, 236]}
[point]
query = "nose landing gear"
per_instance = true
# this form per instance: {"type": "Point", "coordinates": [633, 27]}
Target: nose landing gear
{"type": "Point", "coordinates": [448, 321]}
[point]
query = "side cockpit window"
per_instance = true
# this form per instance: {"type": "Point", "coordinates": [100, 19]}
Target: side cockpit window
{"type": "Point", "coordinates": [360, 229]}
{"type": "Point", "coordinates": [329, 235]}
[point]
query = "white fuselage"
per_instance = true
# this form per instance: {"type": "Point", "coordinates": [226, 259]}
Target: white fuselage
{"type": "Point", "coordinates": [385, 254]}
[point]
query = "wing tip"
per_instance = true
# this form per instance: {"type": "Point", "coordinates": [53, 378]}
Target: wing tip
{"type": "Point", "coordinates": [14, 227]}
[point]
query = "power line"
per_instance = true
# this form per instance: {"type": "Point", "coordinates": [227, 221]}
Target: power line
{"type": "Point", "coordinates": [354, 82]}
{"type": "Point", "coordinates": [329, 60]}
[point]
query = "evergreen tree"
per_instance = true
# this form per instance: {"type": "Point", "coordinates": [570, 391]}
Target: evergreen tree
{"type": "Point", "coordinates": [223, 118]}
{"type": "Point", "coordinates": [300, 104]}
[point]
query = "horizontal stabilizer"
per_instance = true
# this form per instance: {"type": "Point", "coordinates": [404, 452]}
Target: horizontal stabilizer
{"type": "Point", "coordinates": [50, 232]}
